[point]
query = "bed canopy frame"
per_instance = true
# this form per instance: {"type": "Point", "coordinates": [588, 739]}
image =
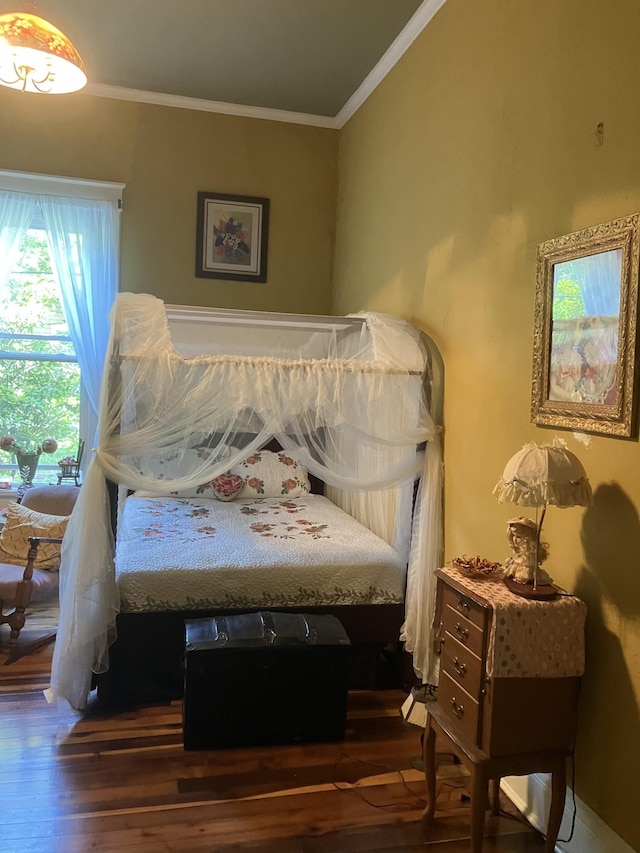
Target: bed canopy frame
{"type": "Point", "coordinates": [349, 397]}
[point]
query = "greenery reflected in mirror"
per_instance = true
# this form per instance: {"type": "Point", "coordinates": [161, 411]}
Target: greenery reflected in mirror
{"type": "Point", "coordinates": [585, 329]}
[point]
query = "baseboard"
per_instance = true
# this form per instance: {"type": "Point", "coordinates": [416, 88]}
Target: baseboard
{"type": "Point", "coordinates": [532, 794]}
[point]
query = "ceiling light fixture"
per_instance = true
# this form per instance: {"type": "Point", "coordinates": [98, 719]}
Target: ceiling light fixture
{"type": "Point", "coordinates": [36, 57]}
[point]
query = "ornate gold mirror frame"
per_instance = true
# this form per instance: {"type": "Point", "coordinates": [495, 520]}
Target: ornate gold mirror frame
{"type": "Point", "coordinates": [584, 345]}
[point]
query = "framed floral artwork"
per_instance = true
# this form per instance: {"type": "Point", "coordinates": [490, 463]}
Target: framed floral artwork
{"type": "Point", "coordinates": [231, 237]}
{"type": "Point", "coordinates": [585, 330]}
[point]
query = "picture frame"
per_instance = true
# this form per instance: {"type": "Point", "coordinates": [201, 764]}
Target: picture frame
{"type": "Point", "coordinates": [585, 328]}
{"type": "Point", "coordinates": [232, 237]}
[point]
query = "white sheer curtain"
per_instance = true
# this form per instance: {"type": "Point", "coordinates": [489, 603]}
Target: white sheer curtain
{"type": "Point", "coordinates": [354, 415]}
{"type": "Point", "coordinates": [585, 348]}
{"type": "Point", "coordinates": [84, 238]}
{"type": "Point", "coordinates": [16, 212]}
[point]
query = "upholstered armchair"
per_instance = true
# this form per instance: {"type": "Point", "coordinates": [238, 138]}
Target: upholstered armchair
{"type": "Point", "coordinates": [30, 551]}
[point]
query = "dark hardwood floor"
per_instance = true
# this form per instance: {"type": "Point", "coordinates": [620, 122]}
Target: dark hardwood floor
{"type": "Point", "coordinates": [123, 782]}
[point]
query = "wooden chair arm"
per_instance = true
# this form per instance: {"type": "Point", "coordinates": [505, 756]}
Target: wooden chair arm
{"type": "Point", "coordinates": [33, 553]}
{"type": "Point", "coordinates": [36, 540]}
{"type": "Point", "coordinates": [16, 617]}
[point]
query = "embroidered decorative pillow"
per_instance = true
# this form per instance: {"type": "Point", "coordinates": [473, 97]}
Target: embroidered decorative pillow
{"type": "Point", "coordinates": [22, 523]}
{"type": "Point", "coordinates": [174, 465]}
{"type": "Point", "coordinates": [225, 487]}
{"type": "Point", "coordinates": [222, 487]}
{"type": "Point", "coordinates": [271, 475]}
{"type": "Point", "coordinates": [159, 467]}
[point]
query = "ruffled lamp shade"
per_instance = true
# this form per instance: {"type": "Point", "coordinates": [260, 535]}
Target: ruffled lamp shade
{"type": "Point", "coordinates": [36, 57]}
{"type": "Point", "coordinates": [538, 476]}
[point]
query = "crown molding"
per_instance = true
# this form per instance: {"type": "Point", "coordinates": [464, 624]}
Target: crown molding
{"type": "Point", "coordinates": [419, 20]}
{"type": "Point", "coordinates": [421, 17]}
{"type": "Point", "coordinates": [118, 93]}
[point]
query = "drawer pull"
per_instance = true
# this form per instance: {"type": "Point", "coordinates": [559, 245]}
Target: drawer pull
{"type": "Point", "coordinates": [463, 633]}
{"type": "Point", "coordinates": [460, 668]}
{"type": "Point", "coordinates": [458, 710]}
{"type": "Point", "coordinates": [463, 604]}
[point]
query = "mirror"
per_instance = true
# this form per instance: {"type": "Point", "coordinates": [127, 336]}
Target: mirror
{"type": "Point", "coordinates": [584, 346]}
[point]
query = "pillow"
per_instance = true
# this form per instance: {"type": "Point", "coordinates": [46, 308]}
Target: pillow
{"type": "Point", "coordinates": [179, 465]}
{"type": "Point", "coordinates": [225, 487]}
{"type": "Point", "coordinates": [22, 523]}
{"type": "Point", "coordinates": [270, 475]}
{"type": "Point", "coordinates": [168, 466]}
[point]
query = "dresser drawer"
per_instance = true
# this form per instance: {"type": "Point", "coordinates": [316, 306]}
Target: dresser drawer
{"type": "Point", "coordinates": [464, 667]}
{"type": "Point", "coordinates": [464, 605]}
{"type": "Point", "coordinates": [460, 707]}
{"type": "Point", "coordinates": [463, 630]}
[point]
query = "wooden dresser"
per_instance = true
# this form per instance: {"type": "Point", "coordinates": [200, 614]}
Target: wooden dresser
{"type": "Point", "coordinates": [509, 679]}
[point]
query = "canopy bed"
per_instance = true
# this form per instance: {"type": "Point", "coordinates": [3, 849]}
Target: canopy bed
{"type": "Point", "coordinates": [262, 461]}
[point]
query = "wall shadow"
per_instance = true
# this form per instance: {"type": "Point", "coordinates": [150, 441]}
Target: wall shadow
{"type": "Point", "coordinates": [611, 541]}
{"type": "Point", "coordinates": [608, 713]}
{"type": "Point", "coordinates": [608, 722]}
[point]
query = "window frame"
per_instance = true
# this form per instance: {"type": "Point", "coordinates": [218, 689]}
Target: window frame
{"type": "Point", "coordinates": [66, 187]}
{"type": "Point", "coordinates": [25, 355]}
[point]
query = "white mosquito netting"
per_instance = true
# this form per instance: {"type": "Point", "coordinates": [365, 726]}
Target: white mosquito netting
{"type": "Point", "coordinates": [189, 392]}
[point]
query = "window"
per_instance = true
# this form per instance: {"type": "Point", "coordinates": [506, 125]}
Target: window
{"type": "Point", "coordinates": [59, 262]}
{"type": "Point", "coordinates": [39, 372]}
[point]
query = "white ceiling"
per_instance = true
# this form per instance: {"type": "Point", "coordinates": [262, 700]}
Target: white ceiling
{"type": "Point", "coordinates": [311, 61]}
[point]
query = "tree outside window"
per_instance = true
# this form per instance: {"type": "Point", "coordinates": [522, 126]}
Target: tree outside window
{"type": "Point", "coordinates": [39, 374]}
{"type": "Point", "coordinates": [567, 300]}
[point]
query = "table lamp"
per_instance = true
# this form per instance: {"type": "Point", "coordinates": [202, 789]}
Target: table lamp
{"type": "Point", "coordinates": [537, 476]}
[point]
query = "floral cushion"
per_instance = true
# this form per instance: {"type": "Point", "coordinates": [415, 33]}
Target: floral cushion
{"type": "Point", "coordinates": [22, 523]}
{"type": "Point", "coordinates": [270, 475]}
{"type": "Point", "coordinates": [226, 487]}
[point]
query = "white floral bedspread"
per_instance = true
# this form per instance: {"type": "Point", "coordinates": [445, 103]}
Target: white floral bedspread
{"type": "Point", "coordinates": [199, 553]}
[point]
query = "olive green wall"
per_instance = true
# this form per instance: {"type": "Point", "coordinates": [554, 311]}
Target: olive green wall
{"type": "Point", "coordinates": [476, 147]}
{"type": "Point", "coordinates": [165, 156]}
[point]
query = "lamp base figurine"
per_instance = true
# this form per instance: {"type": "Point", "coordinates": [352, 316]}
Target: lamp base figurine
{"type": "Point", "coordinates": [527, 589]}
{"type": "Point", "coordinates": [523, 572]}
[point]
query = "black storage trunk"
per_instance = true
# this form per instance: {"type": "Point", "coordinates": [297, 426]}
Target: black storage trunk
{"type": "Point", "coordinates": [264, 678]}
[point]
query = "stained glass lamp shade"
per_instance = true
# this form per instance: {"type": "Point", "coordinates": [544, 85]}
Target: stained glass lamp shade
{"type": "Point", "coordinates": [36, 57]}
